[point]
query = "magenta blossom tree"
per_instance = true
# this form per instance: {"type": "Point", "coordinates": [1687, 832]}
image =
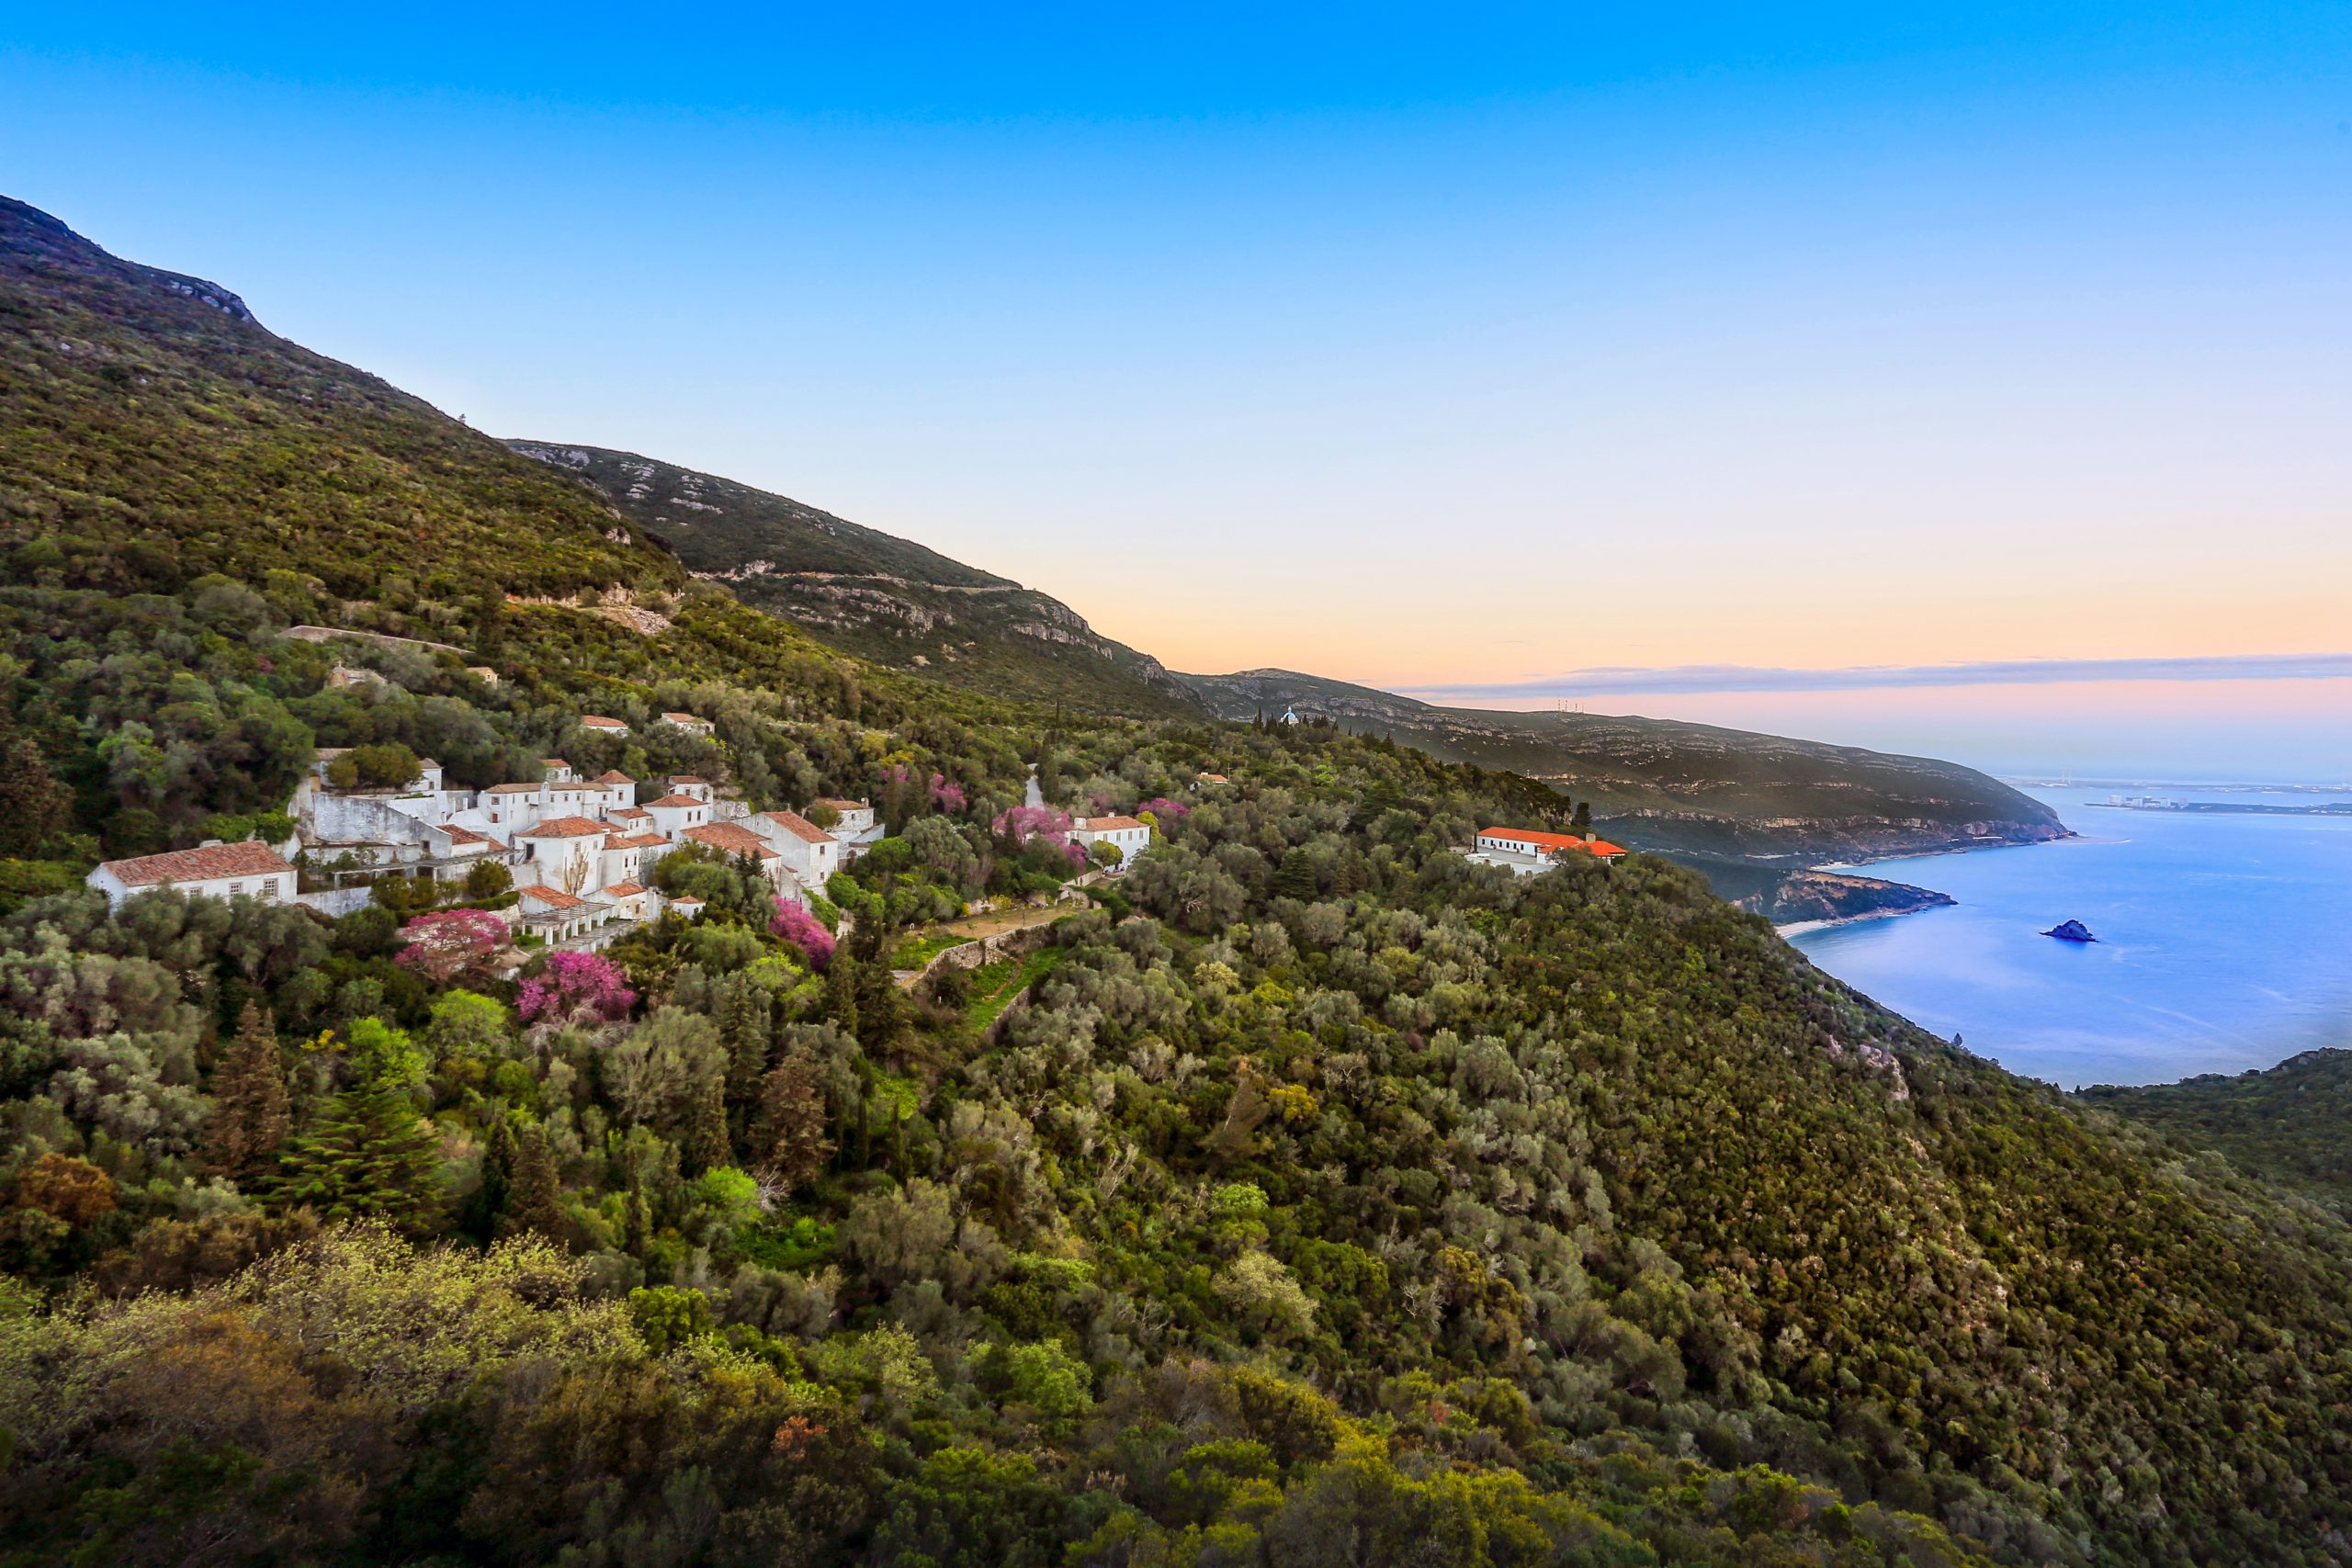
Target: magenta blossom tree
{"type": "Point", "coordinates": [573, 984]}
{"type": "Point", "coordinates": [1164, 810]}
{"type": "Point", "coordinates": [802, 929]}
{"type": "Point", "coordinates": [1022, 823]}
{"type": "Point", "coordinates": [947, 796]}
{"type": "Point", "coordinates": [448, 943]}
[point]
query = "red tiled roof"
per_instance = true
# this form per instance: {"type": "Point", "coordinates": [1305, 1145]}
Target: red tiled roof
{"type": "Point", "coordinates": [626, 889]}
{"type": "Point", "coordinates": [688, 778]}
{"type": "Point", "coordinates": [1550, 842]}
{"type": "Point", "coordinates": [562, 828]}
{"type": "Point", "coordinates": [614, 776]}
{"type": "Point", "coordinates": [675, 800]}
{"type": "Point", "coordinates": [799, 826]}
{"type": "Point", "coordinates": [514, 789]}
{"type": "Point", "coordinates": [626, 814]}
{"type": "Point", "coordinates": [684, 718]}
{"type": "Point", "coordinates": [555, 763]}
{"type": "Point", "coordinates": [465, 835]}
{"type": "Point", "coordinates": [842, 804]}
{"type": "Point", "coordinates": [735, 841]}
{"type": "Point", "coordinates": [553, 897]}
{"type": "Point", "coordinates": [250, 858]}
{"type": "Point", "coordinates": [1104, 824]}
{"type": "Point", "coordinates": [598, 721]}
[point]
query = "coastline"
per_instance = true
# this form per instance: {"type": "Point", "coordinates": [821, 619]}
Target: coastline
{"type": "Point", "coordinates": [1846, 866]}
{"type": "Point", "coordinates": [1803, 927]}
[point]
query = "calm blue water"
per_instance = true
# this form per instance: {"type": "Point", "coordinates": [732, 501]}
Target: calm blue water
{"type": "Point", "coordinates": [2225, 942]}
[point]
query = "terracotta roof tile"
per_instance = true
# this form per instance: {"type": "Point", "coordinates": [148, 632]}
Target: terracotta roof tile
{"type": "Point", "coordinates": [676, 800]}
{"type": "Point", "coordinates": [250, 858]}
{"type": "Point", "coordinates": [799, 826]}
{"type": "Point", "coordinates": [734, 840]}
{"type": "Point", "coordinates": [1551, 841]}
{"type": "Point", "coordinates": [562, 828]}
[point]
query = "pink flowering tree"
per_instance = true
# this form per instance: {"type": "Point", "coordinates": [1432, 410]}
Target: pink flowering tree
{"type": "Point", "coordinates": [449, 943]}
{"type": "Point", "coordinates": [947, 796]}
{"type": "Point", "coordinates": [1163, 810]}
{"type": "Point", "coordinates": [1027, 825]}
{"type": "Point", "coordinates": [573, 984]}
{"type": "Point", "coordinates": [802, 929]}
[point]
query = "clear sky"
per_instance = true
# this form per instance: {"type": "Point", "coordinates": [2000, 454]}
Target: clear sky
{"type": "Point", "coordinates": [1448, 348]}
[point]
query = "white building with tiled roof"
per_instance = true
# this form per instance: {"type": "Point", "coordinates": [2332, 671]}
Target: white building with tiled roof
{"type": "Point", "coordinates": [809, 852]}
{"type": "Point", "coordinates": [249, 870]}
{"type": "Point", "coordinates": [674, 813]}
{"type": "Point", "coordinates": [690, 784]}
{"type": "Point", "coordinates": [553, 914]}
{"type": "Point", "coordinates": [1125, 834]}
{"type": "Point", "coordinates": [597, 723]}
{"type": "Point", "coordinates": [732, 839]}
{"type": "Point", "coordinates": [855, 818]}
{"type": "Point", "coordinates": [687, 722]}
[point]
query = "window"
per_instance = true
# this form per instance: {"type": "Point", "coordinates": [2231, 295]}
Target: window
{"type": "Point", "coordinates": [269, 890]}
{"type": "Point", "coordinates": [235, 889]}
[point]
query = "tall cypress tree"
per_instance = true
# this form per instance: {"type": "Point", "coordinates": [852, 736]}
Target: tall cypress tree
{"type": "Point", "coordinates": [498, 1160]}
{"type": "Point", "coordinates": [705, 1144]}
{"type": "Point", "coordinates": [534, 1192]}
{"type": "Point", "coordinates": [250, 1120]}
{"type": "Point", "coordinates": [792, 1141]}
{"type": "Point", "coordinates": [744, 1016]}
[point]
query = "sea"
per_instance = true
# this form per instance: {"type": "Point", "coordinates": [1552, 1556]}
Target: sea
{"type": "Point", "coordinates": [2224, 941]}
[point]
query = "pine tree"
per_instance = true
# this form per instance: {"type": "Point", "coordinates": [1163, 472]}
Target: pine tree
{"type": "Point", "coordinates": [1295, 878]}
{"type": "Point", "coordinates": [534, 1192]}
{"type": "Point", "coordinates": [249, 1103]}
{"type": "Point", "coordinates": [370, 1157]}
{"type": "Point", "coordinates": [1582, 822]}
{"type": "Point", "coordinates": [792, 1141]}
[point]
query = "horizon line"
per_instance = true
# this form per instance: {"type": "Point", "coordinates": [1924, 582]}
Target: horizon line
{"type": "Point", "coordinates": [1633, 681]}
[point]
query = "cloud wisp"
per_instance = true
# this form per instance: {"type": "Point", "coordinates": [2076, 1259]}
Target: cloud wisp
{"type": "Point", "coordinates": [1623, 679]}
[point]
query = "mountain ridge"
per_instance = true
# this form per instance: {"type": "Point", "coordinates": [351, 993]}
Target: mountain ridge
{"type": "Point", "coordinates": [865, 591]}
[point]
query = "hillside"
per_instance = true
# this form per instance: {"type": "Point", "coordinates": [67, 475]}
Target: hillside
{"type": "Point", "coordinates": [1691, 790]}
{"type": "Point", "coordinates": [2286, 1124]}
{"type": "Point", "coordinates": [148, 417]}
{"type": "Point", "coordinates": [1305, 1195]}
{"type": "Point", "coordinates": [869, 594]}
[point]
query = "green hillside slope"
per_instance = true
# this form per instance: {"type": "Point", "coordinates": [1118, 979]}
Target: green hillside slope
{"type": "Point", "coordinates": [1306, 1195]}
{"type": "Point", "coordinates": [2287, 1123]}
{"type": "Point", "coordinates": [868, 592]}
{"type": "Point", "coordinates": [150, 415]}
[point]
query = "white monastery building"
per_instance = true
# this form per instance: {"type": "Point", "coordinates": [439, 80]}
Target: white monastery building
{"type": "Point", "coordinates": [250, 870]}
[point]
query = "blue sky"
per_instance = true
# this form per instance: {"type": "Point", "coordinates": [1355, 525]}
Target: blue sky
{"type": "Point", "coordinates": [1433, 348]}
